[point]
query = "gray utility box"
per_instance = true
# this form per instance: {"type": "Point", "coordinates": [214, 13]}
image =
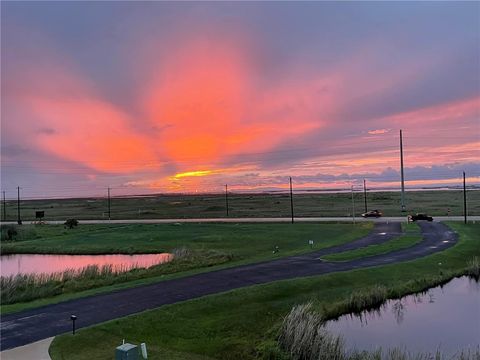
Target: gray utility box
{"type": "Point", "coordinates": [126, 352]}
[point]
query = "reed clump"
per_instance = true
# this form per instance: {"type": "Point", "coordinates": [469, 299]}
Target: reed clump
{"type": "Point", "coordinates": [359, 301]}
{"type": "Point", "coordinates": [473, 267]}
{"type": "Point", "coordinates": [370, 298]}
{"type": "Point", "coordinates": [304, 336]}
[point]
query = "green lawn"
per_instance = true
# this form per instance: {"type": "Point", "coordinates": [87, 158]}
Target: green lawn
{"type": "Point", "coordinates": [412, 236]}
{"type": "Point", "coordinates": [244, 243]}
{"type": "Point", "coordinates": [243, 324]}
{"type": "Point", "coordinates": [253, 241]}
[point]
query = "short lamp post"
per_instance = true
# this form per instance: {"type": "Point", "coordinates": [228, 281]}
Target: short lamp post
{"type": "Point", "coordinates": [73, 318]}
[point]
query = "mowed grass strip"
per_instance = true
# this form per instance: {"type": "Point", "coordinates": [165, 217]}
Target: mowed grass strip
{"type": "Point", "coordinates": [245, 323]}
{"type": "Point", "coordinates": [411, 237]}
{"type": "Point", "coordinates": [244, 241]}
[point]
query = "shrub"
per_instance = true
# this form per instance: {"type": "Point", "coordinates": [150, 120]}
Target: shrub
{"type": "Point", "coordinates": [71, 223]}
{"type": "Point", "coordinates": [9, 232]}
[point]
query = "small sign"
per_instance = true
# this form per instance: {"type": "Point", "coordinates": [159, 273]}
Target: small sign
{"type": "Point", "coordinates": [39, 214]}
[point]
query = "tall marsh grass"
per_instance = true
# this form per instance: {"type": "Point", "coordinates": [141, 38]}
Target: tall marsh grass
{"type": "Point", "coordinates": [25, 287]}
{"type": "Point", "coordinates": [28, 287]}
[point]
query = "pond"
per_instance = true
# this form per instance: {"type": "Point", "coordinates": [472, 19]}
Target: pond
{"type": "Point", "coordinates": [443, 318]}
{"type": "Point", "coordinates": [49, 264]}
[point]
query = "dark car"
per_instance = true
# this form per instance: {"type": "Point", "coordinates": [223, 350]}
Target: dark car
{"type": "Point", "coordinates": [420, 216]}
{"type": "Point", "coordinates": [372, 213]}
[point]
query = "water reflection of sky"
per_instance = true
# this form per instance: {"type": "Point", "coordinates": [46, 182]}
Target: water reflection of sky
{"type": "Point", "coordinates": [445, 318]}
{"type": "Point", "coordinates": [36, 263]}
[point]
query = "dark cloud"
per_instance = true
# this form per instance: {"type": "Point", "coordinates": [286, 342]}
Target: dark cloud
{"type": "Point", "coordinates": [14, 150]}
{"type": "Point", "coordinates": [46, 131]}
{"type": "Point", "coordinates": [436, 172]}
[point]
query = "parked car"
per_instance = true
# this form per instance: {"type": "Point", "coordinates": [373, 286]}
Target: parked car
{"type": "Point", "coordinates": [420, 216]}
{"type": "Point", "coordinates": [372, 213]}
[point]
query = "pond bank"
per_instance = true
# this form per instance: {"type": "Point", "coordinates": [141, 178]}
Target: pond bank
{"type": "Point", "coordinates": [444, 318]}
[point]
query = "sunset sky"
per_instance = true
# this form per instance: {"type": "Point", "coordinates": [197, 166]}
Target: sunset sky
{"type": "Point", "coordinates": [185, 97]}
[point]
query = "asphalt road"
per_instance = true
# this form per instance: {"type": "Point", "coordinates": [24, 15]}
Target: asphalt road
{"type": "Point", "coordinates": [250, 220]}
{"type": "Point", "coordinates": [33, 325]}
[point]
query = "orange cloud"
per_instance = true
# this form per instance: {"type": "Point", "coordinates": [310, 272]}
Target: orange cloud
{"type": "Point", "coordinates": [90, 132]}
{"type": "Point", "coordinates": [206, 94]}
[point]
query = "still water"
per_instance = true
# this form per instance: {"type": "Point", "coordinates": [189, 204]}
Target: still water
{"type": "Point", "coordinates": [444, 318]}
{"type": "Point", "coordinates": [48, 264]}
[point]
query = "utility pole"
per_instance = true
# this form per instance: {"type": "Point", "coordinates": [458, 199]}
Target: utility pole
{"type": "Point", "coordinates": [365, 194]}
{"type": "Point", "coordinates": [291, 199]}
{"type": "Point", "coordinates": [464, 199]}
{"type": "Point", "coordinates": [19, 221]}
{"type": "Point", "coordinates": [4, 208]}
{"type": "Point", "coordinates": [401, 171]}
{"type": "Point", "coordinates": [353, 207]}
{"type": "Point", "coordinates": [226, 197]}
{"type": "Point", "coordinates": [109, 213]}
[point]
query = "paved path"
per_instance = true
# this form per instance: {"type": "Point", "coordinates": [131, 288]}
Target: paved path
{"type": "Point", "coordinates": [250, 220]}
{"type": "Point", "coordinates": [32, 325]}
{"type": "Point", "coordinates": [34, 351]}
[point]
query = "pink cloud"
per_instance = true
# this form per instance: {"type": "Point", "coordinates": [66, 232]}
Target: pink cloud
{"type": "Point", "coordinates": [378, 131]}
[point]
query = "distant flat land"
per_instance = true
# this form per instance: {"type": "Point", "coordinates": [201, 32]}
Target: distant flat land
{"type": "Point", "coordinates": [435, 203]}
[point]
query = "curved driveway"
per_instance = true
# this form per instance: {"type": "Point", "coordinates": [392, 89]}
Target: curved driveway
{"type": "Point", "coordinates": [33, 325]}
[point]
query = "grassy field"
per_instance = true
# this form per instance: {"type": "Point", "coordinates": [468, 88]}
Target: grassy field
{"type": "Point", "coordinates": [245, 205]}
{"type": "Point", "coordinates": [210, 246]}
{"type": "Point", "coordinates": [244, 241]}
{"type": "Point", "coordinates": [245, 323]}
{"type": "Point", "coordinates": [412, 235]}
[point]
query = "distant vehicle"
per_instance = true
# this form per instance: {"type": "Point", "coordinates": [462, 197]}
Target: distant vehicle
{"type": "Point", "coordinates": [372, 213]}
{"type": "Point", "coordinates": [420, 216]}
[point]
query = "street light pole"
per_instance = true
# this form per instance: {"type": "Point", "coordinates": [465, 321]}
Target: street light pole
{"type": "Point", "coordinates": [365, 194]}
{"type": "Point", "coordinates": [4, 208]}
{"type": "Point", "coordinates": [291, 199]}
{"type": "Point", "coordinates": [353, 207]}
{"type": "Point", "coordinates": [109, 213]}
{"type": "Point", "coordinates": [401, 172]}
{"type": "Point", "coordinates": [19, 220]}
{"type": "Point", "coordinates": [464, 199]}
{"type": "Point", "coordinates": [226, 197]}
